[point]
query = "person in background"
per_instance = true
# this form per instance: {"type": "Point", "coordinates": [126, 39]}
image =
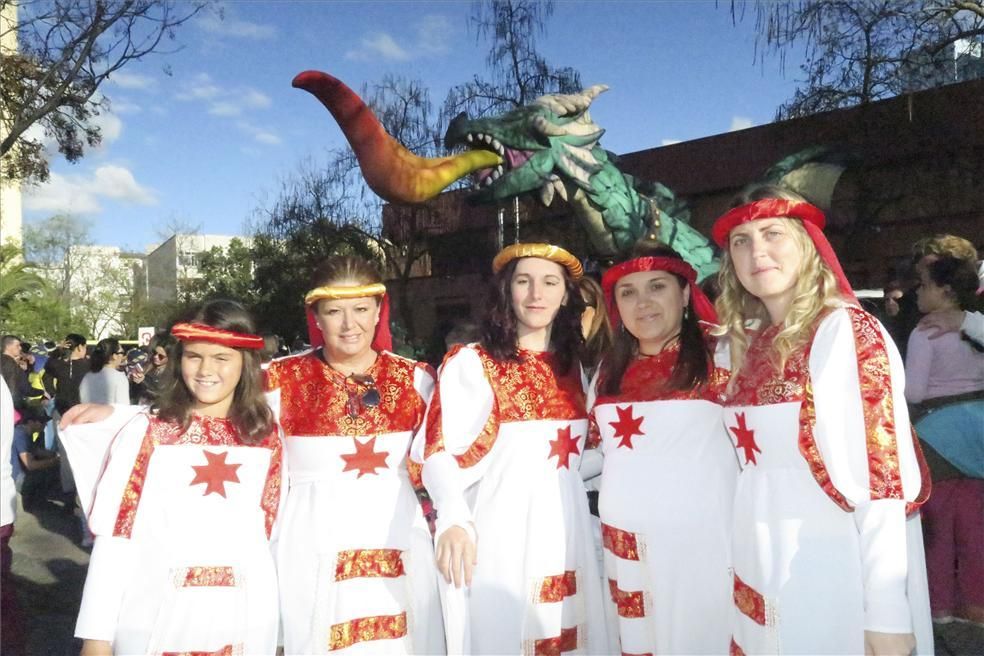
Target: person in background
{"type": "Point", "coordinates": [14, 374]}
{"type": "Point", "coordinates": [105, 383]}
{"type": "Point", "coordinates": [64, 374]}
{"type": "Point", "coordinates": [33, 465]}
{"type": "Point", "coordinates": [11, 619]}
{"type": "Point", "coordinates": [945, 385]}
{"type": "Point", "coordinates": [827, 555]}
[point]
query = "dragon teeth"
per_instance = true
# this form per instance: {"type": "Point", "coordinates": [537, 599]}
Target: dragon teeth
{"type": "Point", "coordinates": [487, 138]}
{"type": "Point", "coordinates": [469, 138]}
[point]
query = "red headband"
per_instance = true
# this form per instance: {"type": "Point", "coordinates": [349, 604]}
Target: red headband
{"type": "Point", "coordinates": [811, 217]}
{"type": "Point", "coordinates": [703, 307]}
{"type": "Point", "coordinates": [199, 332]}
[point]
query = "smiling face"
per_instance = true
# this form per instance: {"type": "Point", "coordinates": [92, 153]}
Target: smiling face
{"type": "Point", "coordinates": [538, 289]}
{"type": "Point", "coordinates": [347, 325]}
{"type": "Point", "coordinates": [211, 373]}
{"type": "Point", "coordinates": [651, 305]}
{"type": "Point", "coordinates": [767, 258]}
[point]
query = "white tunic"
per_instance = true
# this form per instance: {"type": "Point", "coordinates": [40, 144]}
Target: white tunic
{"type": "Point", "coordinates": [183, 521]}
{"type": "Point", "coordinates": [822, 549]}
{"type": "Point", "coordinates": [357, 572]}
{"type": "Point", "coordinates": [667, 490]}
{"type": "Point", "coordinates": [501, 456]}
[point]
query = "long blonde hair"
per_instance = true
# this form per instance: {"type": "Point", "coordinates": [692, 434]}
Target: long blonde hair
{"type": "Point", "coordinates": [815, 291]}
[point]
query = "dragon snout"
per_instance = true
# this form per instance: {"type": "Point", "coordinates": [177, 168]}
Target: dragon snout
{"type": "Point", "coordinates": [455, 130]}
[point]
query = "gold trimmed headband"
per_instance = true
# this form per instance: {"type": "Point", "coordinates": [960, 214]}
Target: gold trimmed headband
{"type": "Point", "coordinates": [339, 293]}
{"type": "Point", "coordinates": [543, 251]}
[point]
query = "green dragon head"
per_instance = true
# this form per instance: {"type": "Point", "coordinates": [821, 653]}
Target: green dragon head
{"type": "Point", "coordinates": [540, 145]}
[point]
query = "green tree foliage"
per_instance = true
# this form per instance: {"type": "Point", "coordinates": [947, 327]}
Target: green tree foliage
{"type": "Point", "coordinates": [224, 273]}
{"type": "Point", "coordinates": [66, 50]}
{"type": "Point", "coordinates": [859, 51]}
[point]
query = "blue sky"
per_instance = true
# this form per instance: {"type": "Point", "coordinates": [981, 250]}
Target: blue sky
{"type": "Point", "coordinates": [209, 143]}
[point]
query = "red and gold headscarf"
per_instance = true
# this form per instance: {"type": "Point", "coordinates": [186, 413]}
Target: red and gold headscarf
{"type": "Point", "coordinates": [810, 216]}
{"type": "Point", "coordinates": [381, 341]}
{"type": "Point", "coordinates": [702, 305]}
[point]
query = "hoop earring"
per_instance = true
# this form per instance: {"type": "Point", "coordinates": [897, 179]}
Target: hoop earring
{"type": "Point", "coordinates": [686, 312]}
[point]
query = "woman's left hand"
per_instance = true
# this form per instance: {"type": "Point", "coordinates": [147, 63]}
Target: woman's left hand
{"type": "Point", "coordinates": [888, 644]}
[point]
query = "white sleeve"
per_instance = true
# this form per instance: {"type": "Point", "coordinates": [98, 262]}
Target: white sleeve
{"type": "Point", "coordinates": [973, 326]}
{"type": "Point", "coordinates": [592, 460]}
{"type": "Point", "coordinates": [863, 435]}
{"type": "Point", "coordinates": [423, 383]}
{"type": "Point", "coordinates": [461, 426]}
{"type": "Point", "coordinates": [113, 556]}
{"type": "Point", "coordinates": [8, 493]}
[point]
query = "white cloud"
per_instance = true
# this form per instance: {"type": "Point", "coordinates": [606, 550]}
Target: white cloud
{"type": "Point", "coordinates": [378, 44]}
{"type": "Point", "coordinates": [234, 27]}
{"type": "Point", "coordinates": [110, 126]}
{"type": "Point", "coordinates": [122, 106]}
{"type": "Point", "coordinates": [740, 123]}
{"type": "Point", "coordinates": [428, 38]}
{"type": "Point", "coordinates": [200, 87]}
{"type": "Point", "coordinates": [261, 135]}
{"type": "Point", "coordinates": [80, 194]}
{"type": "Point", "coordinates": [223, 102]}
{"type": "Point", "coordinates": [127, 80]}
{"type": "Point", "coordinates": [669, 142]}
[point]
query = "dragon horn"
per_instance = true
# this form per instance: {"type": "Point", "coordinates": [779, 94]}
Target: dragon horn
{"type": "Point", "coordinates": [390, 170]}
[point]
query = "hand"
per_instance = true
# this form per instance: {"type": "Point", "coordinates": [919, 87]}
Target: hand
{"type": "Point", "coordinates": [96, 648]}
{"type": "Point", "coordinates": [888, 644]}
{"type": "Point", "coordinates": [137, 377]}
{"type": "Point", "coordinates": [941, 323]}
{"type": "Point", "coordinates": [85, 413]}
{"type": "Point", "coordinates": [456, 556]}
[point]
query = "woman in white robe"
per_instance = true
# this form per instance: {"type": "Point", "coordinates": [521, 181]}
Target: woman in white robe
{"type": "Point", "coordinates": [668, 480]}
{"type": "Point", "coordinates": [357, 574]}
{"type": "Point", "coordinates": [505, 432]}
{"type": "Point", "coordinates": [825, 560]}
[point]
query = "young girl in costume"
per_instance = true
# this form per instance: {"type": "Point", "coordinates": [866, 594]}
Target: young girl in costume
{"type": "Point", "coordinates": [355, 561]}
{"type": "Point", "coordinates": [505, 432]}
{"type": "Point", "coordinates": [668, 482]}
{"type": "Point", "coordinates": [184, 501]}
{"type": "Point", "coordinates": [824, 559]}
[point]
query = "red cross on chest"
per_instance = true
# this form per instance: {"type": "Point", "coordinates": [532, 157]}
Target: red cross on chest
{"type": "Point", "coordinates": [745, 439]}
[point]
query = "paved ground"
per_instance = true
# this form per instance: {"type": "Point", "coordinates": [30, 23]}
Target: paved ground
{"type": "Point", "coordinates": [49, 570]}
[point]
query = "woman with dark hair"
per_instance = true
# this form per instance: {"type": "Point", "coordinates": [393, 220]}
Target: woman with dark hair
{"type": "Point", "coordinates": [184, 500]}
{"type": "Point", "coordinates": [668, 480]}
{"type": "Point", "coordinates": [825, 559]}
{"type": "Point", "coordinates": [104, 382]}
{"type": "Point", "coordinates": [945, 385]}
{"type": "Point", "coordinates": [146, 385]}
{"type": "Point", "coordinates": [595, 324]}
{"type": "Point", "coordinates": [505, 432]}
{"type": "Point", "coordinates": [355, 559]}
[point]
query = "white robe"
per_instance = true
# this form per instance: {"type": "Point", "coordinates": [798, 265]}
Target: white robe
{"type": "Point", "coordinates": [184, 523]}
{"type": "Point", "coordinates": [501, 459]}
{"type": "Point", "coordinates": [357, 572]}
{"type": "Point", "coordinates": [822, 548]}
{"type": "Point", "coordinates": [666, 497]}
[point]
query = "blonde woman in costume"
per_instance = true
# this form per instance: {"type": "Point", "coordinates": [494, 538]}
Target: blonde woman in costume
{"type": "Point", "coordinates": [824, 558]}
{"type": "Point", "coordinates": [505, 433]}
{"type": "Point", "coordinates": [357, 574]}
{"type": "Point", "coordinates": [668, 481]}
{"type": "Point", "coordinates": [185, 501]}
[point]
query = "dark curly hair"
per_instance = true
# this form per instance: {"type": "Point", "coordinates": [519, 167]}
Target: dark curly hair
{"type": "Point", "coordinates": [499, 332]}
{"type": "Point", "coordinates": [249, 412]}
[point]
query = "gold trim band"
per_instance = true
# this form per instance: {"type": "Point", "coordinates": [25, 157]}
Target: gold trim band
{"type": "Point", "coordinates": [343, 293]}
{"type": "Point", "coordinates": [543, 251]}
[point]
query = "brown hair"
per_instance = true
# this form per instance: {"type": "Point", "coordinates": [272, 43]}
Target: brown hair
{"type": "Point", "coordinates": [693, 363]}
{"type": "Point", "coordinates": [499, 331]}
{"type": "Point", "coordinates": [598, 341]}
{"type": "Point", "coordinates": [249, 412]}
{"type": "Point", "coordinates": [960, 276]}
{"type": "Point", "coordinates": [945, 245]}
